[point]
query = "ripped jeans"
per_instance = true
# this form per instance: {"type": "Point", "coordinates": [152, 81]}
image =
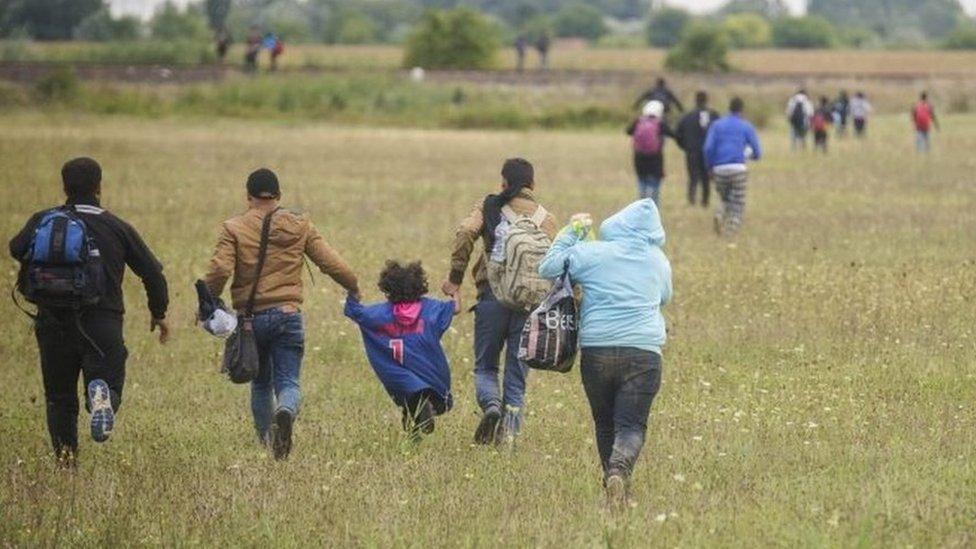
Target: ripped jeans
{"type": "Point", "coordinates": [620, 383]}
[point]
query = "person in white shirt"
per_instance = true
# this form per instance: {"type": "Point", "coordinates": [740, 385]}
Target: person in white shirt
{"type": "Point", "coordinates": [799, 110]}
{"type": "Point", "coordinates": [860, 110]}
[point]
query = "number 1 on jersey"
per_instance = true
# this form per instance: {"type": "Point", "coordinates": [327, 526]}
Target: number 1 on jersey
{"type": "Point", "coordinates": [396, 345]}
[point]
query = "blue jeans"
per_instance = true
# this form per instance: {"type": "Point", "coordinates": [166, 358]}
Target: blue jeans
{"type": "Point", "coordinates": [281, 345]}
{"type": "Point", "coordinates": [497, 326]}
{"type": "Point", "coordinates": [620, 383]}
{"type": "Point", "coordinates": [649, 187]}
{"type": "Point", "coordinates": [923, 141]}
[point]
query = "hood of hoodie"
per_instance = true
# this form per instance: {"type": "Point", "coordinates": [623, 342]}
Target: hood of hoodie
{"type": "Point", "coordinates": [407, 313]}
{"type": "Point", "coordinates": [638, 223]}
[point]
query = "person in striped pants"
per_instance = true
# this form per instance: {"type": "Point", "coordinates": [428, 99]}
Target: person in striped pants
{"type": "Point", "coordinates": [730, 141]}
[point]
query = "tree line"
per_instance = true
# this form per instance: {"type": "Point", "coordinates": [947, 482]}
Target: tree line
{"type": "Point", "coordinates": [744, 23]}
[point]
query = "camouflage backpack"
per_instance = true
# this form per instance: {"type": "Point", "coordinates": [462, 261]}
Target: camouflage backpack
{"type": "Point", "coordinates": [514, 273]}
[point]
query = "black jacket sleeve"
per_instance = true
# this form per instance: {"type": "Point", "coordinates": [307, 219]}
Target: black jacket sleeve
{"type": "Point", "coordinates": [677, 102]}
{"type": "Point", "coordinates": [629, 130]}
{"type": "Point", "coordinates": [144, 264]}
{"type": "Point", "coordinates": [20, 243]}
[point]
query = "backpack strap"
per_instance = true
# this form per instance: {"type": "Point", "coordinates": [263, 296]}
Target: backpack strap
{"type": "Point", "coordinates": [539, 217]}
{"type": "Point", "coordinates": [262, 255]}
{"type": "Point", "coordinates": [509, 214]}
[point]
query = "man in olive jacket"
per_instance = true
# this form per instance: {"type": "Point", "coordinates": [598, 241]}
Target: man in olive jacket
{"type": "Point", "coordinates": [496, 326]}
{"type": "Point", "coordinates": [278, 325]}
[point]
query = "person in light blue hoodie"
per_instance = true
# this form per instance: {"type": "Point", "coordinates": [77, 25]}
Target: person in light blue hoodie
{"type": "Point", "coordinates": [626, 279]}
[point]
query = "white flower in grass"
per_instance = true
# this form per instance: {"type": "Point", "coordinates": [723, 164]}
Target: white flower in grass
{"type": "Point", "coordinates": [679, 477]}
{"type": "Point", "coordinates": [661, 518]}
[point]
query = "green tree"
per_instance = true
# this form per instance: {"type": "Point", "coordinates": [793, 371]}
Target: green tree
{"type": "Point", "coordinates": [891, 18]}
{"type": "Point", "coordinates": [703, 47]}
{"type": "Point", "coordinates": [748, 30]}
{"type": "Point", "coordinates": [217, 12]}
{"type": "Point", "coordinates": [102, 27]}
{"type": "Point", "coordinates": [770, 9]}
{"type": "Point", "coordinates": [460, 38]}
{"type": "Point", "coordinates": [356, 28]}
{"type": "Point", "coordinates": [806, 32]}
{"type": "Point", "coordinates": [170, 23]}
{"type": "Point", "coordinates": [580, 20]}
{"type": "Point", "coordinates": [46, 19]}
{"type": "Point", "coordinates": [963, 38]}
{"type": "Point", "coordinates": [666, 25]}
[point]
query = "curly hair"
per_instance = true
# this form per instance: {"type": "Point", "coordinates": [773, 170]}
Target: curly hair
{"type": "Point", "coordinates": [403, 283]}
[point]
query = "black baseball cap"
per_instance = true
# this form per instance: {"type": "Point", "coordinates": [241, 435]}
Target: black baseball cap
{"type": "Point", "coordinates": [263, 183]}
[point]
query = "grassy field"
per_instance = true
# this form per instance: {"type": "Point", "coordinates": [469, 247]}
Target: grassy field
{"type": "Point", "coordinates": [818, 383]}
{"type": "Point", "coordinates": [799, 62]}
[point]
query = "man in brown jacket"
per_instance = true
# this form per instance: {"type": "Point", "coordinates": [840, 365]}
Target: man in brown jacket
{"type": "Point", "coordinates": [278, 325]}
{"type": "Point", "coordinates": [496, 326]}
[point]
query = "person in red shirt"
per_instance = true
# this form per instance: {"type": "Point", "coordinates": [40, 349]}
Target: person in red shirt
{"type": "Point", "coordinates": [923, 116]}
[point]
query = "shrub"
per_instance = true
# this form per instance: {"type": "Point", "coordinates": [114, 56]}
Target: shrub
{"type": "Point", "coordinates": [60, 85]}
{"type": "Point", "coordinates": [665, 27]}
{"type": "Point", "coordinates": [748, 30]}
{"type": "Point", "coordinates": [102, 27]}
{"type": "Point", "coordinates": [803, 32]}
{"type": "Point", "coordinates": [963, 38]}
{"type": "Point", "coordinates": [703, 48]}
{"type": "Point", "coordinates": [169, 23]}
{"type": "Point", "coordinates": [460, 38]}
{"type": "Point", "coordinates": [580, 20]}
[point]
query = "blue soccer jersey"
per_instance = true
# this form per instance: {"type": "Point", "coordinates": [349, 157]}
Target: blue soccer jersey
{"type": "Point", "coordinates": [403, 344]}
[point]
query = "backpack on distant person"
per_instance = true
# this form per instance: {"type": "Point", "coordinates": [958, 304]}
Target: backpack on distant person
{"type": "Point", "coordinates": [922, 116]}
{"type": "Point", "coordinates": [63, 266]}
{"type": "Point", "coordinates": [513, 272]}
{"type": "Point", "coordinates": [798, 117]}
{"type": "Point", "coordinates": [550, 337]}
{"type": "Point", "coordinates": [819, 122]}
{"type": "Point", "coordinates": [647, 135]}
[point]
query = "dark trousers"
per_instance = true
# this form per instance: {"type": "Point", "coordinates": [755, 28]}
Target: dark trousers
{"type": "Point", "coordinates": [620, 383]}
{"type": "Point", "coordinates": [697, 174]}
{"type": "Point", "coordinates": [496, 327]}
{"type": "Point", "coordinates": [65, 349]}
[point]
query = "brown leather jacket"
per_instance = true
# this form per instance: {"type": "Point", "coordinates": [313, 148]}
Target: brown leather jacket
{"type": "Point", "coordinates": [292, 237]}
{"type": "Point", "coordinates": [471, 229]}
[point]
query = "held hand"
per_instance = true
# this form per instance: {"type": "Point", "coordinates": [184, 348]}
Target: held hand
{"type": "Point", "coordinates": [457, 303]}
{"type": "Point", "coordinates": [163, 326]}
{"type": "Point", "coordinates": [354, 295]}
{"type": "Point", "coordinates": [450, 288]}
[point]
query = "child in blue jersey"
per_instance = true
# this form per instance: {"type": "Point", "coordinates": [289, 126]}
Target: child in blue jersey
{"type": "Point", "coordinates": [402, 338]}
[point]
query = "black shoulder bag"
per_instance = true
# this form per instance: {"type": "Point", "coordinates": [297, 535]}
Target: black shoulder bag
{"type": "Point", "coordinates": [241, 349]}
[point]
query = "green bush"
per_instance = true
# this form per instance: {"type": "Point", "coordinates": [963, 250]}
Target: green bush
{"type": "Point", "coordinates": [460, 38]}
{"type": "Point", "coordinates": [579, 20]}
{"type": "Point", "coordinates": [806, 32]}
{"type": "Point", "coordinates": [58, 86]}
{"type": "Point", "coordinates": [963, 38]}
{"type": "Point", "coordinates": [703, 48]}
{"type": "Point", "coordinates": [666, 25]}
{"type": "Point", "coordinates": [171, 23]}
{"type": "Point", "coordinates": [101, 27]}
{"type": "Point", "coordinates": [748, 30]}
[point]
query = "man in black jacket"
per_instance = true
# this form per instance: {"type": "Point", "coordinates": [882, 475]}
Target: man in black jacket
{"type": "Point", "coordinates": [660, 92]}
{"type": "Point", "coordinates": [690, 135]}
{"type": "Point", "coordinates": [89, 339]}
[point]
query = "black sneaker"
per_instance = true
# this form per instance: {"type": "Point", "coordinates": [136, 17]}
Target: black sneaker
{"type": "Point", "coordinates": [485, 433]}
{"type": "Point", "coordinates": [281, 434]}
{"type": "Point", "coordinates": [425, 418]}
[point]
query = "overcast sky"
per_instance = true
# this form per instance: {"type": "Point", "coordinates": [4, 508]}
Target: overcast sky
{"type": "Point", "coordinates": [144, 8]}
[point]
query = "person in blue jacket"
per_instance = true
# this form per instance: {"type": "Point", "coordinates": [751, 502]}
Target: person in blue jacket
{"type": "Point", "coordinates": [626, 279]}
{"type": "Point", "coordinates": [730, 140]}
{"type": "Point", "coordinates": [402, 338]}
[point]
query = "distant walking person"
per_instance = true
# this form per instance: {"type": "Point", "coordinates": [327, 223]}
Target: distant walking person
{"type": "Point", "coordinates": [860, 111]}
{"type": "Point", "coordinates": [542, 45]}
{"type": "Point", "coordinates": [626, 280]}
{"type": "Point", "coordinates": [521, 44]}
{"type": "Point", "coordinates": [275, 47]}
{"type": "Point", "coordinates": [273, 295]}
{"type": "Point", "coordinates": [497, 326]}
{"type": "Point", "coordinates": [841, 111]}
{"type": "Point", "coordinates": [731, 139]}
{"type": "Point", "coordinates": [647, 137]}
{"type": "Point", "coordinates": [223, 40]}
{"type": "Point", "coordinates": [660, 92]}
{"type": "Point", "coordinates": [72, 259]}
{"type": "Point", "coordinates": [820, 123]}
{"type": "Point", "coordinates": [923, 117]}
{"type": "Point", "coordinates": [799, 110]}
{"type": "Point", "coordinates": [252, 49]}
{"type": "Point", "coordinates": [690, 136]}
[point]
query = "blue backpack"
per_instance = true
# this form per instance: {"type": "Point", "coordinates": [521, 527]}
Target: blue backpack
{"type": "Point", "coordinates": [63, 267]}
